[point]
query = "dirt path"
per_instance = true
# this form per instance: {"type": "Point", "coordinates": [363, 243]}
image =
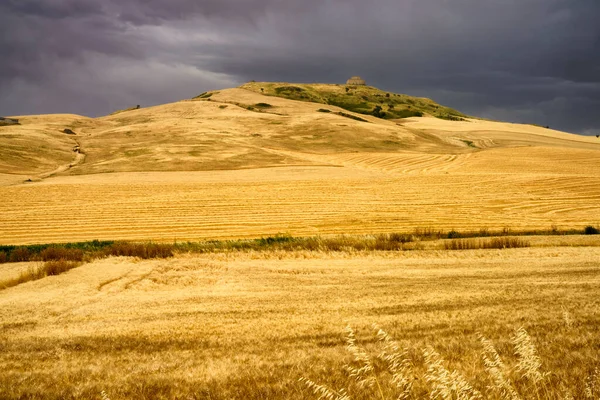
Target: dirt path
{"type": "Point", "coordinates": [77, 159]}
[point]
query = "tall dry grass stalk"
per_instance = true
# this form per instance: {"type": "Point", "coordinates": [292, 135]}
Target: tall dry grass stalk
{"type": "Point", "coordinates": [397, 363]}
{"type": "Point", "coordinates": [362, 370]}
{"type": "Point", "coordinates": [324, 392]}
{"type": "Point", "coordinates": [529, 363]}
{"type": "Point", "coordinates": [437, 382]}
{"type": "Point", "coordinates": [488, 243]}
{"type": "Point", "coordinates": [446, 384]}
{"type": "Point", "coordinates": [496, 370]}
{"type": "Point", "coordinates": [40, 271]}
{"type": "Point", "coordinates": [592, 385]}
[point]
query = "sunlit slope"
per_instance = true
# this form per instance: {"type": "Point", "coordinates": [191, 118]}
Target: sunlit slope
{"type": "Point", "coordinates": [242, 128]}
{"type": "Point", "coordinates": [361, 99]}
{"type": "Point", "coordinates": [37, 146]}
{"type": "Point", "coordinates": [188, 135]}
{"type": "Point", "coordinates": [222, 133]}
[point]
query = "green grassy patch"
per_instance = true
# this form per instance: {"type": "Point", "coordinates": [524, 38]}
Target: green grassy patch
{"type": "Point", "coordinates": [263, 105]}
{"type": "Point", "coordinates": [405, 113]}
{"type": "Point", "coordinates": [205, 95]}
{"type": "Point", "coordinates": [469, 143]}
{"type": "Point", "coordinates": [361, 100]}
{"type": "Point", "coordinates": [450, 117]}
{"type": "Point", "coordinates": [125, 110]}
{"type": "Point", "coordinates": [354, 117]}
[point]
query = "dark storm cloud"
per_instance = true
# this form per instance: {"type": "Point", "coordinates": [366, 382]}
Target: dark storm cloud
{"type": "Point", "coordinates": [51, 9]}
{"type": "Point", "coordinates": [523, 60]}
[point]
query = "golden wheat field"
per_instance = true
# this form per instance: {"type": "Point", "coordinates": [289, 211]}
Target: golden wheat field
{"type": "Point", "coordinates": [250, 325]}
{"type": "Point", "coordinates": [338, 316]}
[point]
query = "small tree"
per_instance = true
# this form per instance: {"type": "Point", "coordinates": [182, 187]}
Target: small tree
{"type": "Point", "coordinates": [378, 112]}
{"type": "Point", "coordinates": [591, 230]}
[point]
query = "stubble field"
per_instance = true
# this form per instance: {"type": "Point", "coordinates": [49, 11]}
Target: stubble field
{"type": "Point", "coordinates": [182, 206]}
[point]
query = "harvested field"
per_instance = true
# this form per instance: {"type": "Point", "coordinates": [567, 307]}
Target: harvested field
{"type": "Point", "coordinates": [299, 201]}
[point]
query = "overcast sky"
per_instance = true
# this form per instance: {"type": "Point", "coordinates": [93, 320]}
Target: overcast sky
{"type": "Point", "coordinates": [534, 61]}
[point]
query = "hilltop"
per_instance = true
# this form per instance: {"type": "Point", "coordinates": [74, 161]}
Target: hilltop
{"type": "Point", "coordinates": [366, 100]}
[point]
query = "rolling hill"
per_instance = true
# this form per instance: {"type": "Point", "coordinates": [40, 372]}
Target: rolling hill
{"type": "Point", "coordinates": [273, 157]}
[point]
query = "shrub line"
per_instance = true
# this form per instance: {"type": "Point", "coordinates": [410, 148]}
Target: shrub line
{"type": "Point", "coordinates": [86, 251]}
{"type": "Point", "coordinates": [59, 258]}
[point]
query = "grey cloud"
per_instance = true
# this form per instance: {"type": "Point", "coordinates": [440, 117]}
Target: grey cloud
{"type": "Point", "coordinates": [56, 9]}
{"type": "Point", "coordinates": [516, 59]}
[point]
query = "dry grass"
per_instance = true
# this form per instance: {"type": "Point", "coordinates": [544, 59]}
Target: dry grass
{"type": "Point", "coordinates": [55, 253]}
{"type": "Point", "coordinates": [254, 203]}
{"type": "Point", "coordinates": [393, 373]}
{"type": "Point", "coordinates": [40, 271]}
{"type": "Point", "coordinates": [248, 325]}
{"type": "Point", "coordinates": [140, 250]}
{"type": "Point", "coordinates": [422, 239]}
{"type": "Point", "coordinates": [490, 243]}
{"type": "Point", "coordinates": [19, 254]}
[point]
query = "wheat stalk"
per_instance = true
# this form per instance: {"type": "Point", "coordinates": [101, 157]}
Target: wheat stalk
{"type": "Point", "coordinates": [364, 374]}
{"type": "Point", "coordinates": [495, 368]}
{"type": "Point", "coordinates": [324, 392]}
{"type": "Point", "coordinates": [567, 318]}
{"type": "Point", "coordinates": [529, 363]}
{"type": "Point", "coordinates": [592, 385]}
{"type": "Point", "coordinates": [397, 363]}
{"type": "Point", "coordinates": [446, 385]}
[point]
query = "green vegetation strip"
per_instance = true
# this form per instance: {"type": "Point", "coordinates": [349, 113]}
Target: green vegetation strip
{"type": "Point", "coordinates": [59, 258]}
{"type": "Point", "coordinates": [205, 95]}
{"type": "Point", "coordinates": [354, 117]}
{"type": "Point", "coordinates": [87, 251]}
{"type": "Point", "coordinates": [361, 100]}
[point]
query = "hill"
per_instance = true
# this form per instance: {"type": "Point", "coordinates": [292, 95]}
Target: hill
{"type": "Point", "coordinates": [243, 128]}
{"type": "Point", "coordinates": [277, 161]}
